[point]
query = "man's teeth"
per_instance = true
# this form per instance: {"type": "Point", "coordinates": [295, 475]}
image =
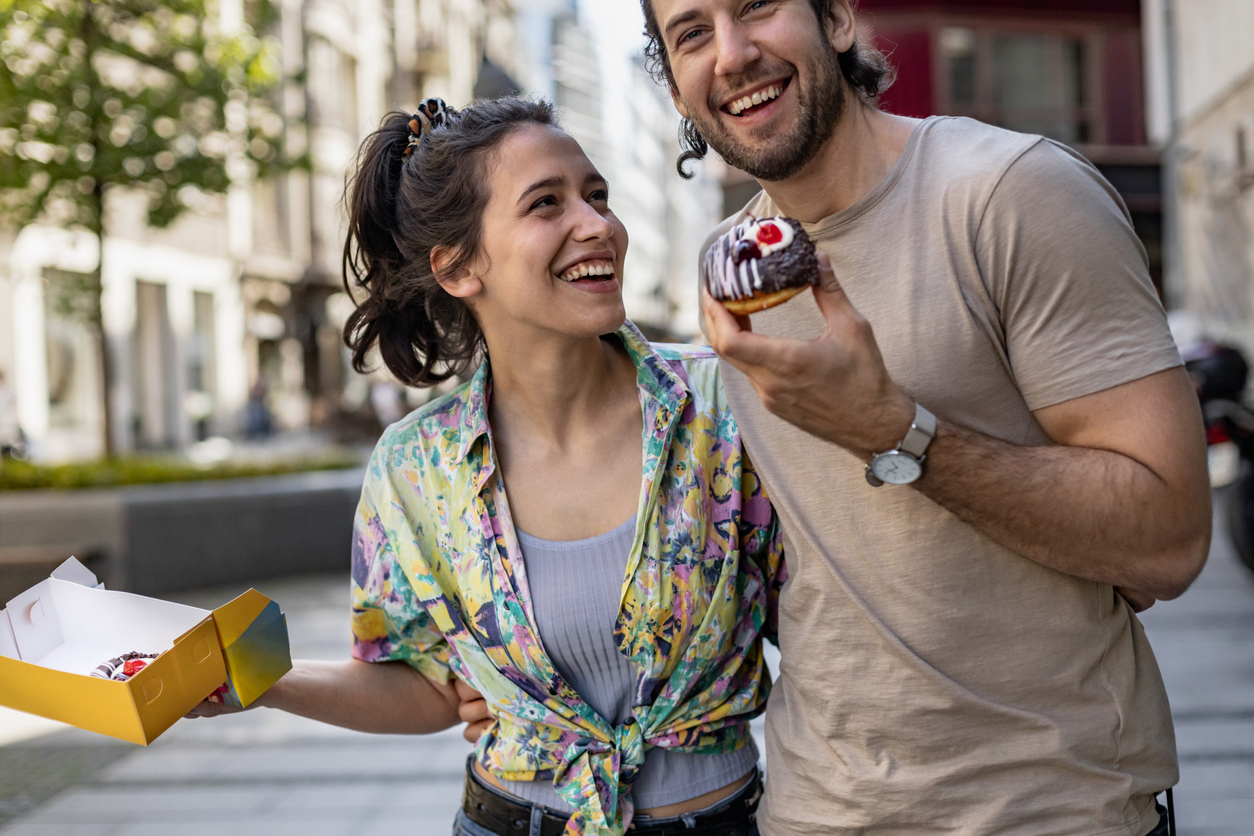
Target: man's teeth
{"type": "Point", "coordinates": [588, 268]}
{"type": "Point", "coordinates": [757, 98]}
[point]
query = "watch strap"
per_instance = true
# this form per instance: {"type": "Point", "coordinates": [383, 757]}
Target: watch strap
{"type": "Point", "coordinates": [921, 433]}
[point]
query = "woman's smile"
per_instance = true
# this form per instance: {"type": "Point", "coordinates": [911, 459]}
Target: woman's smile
{"type": "Point", "coordinates": [593, 273]}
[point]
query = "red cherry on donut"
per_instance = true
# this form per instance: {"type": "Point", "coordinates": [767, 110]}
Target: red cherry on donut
{"type": "Point", "coordinates": [769, 234]}
{"type": "Point", "coordinates": [133, 666]}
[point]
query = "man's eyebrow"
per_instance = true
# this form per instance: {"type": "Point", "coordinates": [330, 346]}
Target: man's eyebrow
{"type": "Point", "coordinates": [547, 183]}
{"type": "Point", "coordinates": [678, 20]}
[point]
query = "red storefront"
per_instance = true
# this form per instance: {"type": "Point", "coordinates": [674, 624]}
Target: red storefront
{"type": "Point", "coordinates": [1068, 69]}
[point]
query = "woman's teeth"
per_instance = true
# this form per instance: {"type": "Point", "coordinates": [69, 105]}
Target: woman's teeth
{"type": "Point", "coordinates": [743, 104]}
{"type": "Point", "coordinates": [588, 268]}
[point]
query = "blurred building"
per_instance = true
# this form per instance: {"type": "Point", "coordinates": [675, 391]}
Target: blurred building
{"type": "Point", "coordinates": [585, 55]}
{"type": "Point", "coordinates": [239, 300]}
{"type": "Point", "coordinates": [1200, 79]}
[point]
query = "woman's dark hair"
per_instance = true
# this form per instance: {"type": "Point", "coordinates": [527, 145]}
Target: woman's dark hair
{"type": "Point", "coordinates": [864, 68]}
{"type": "Point", "coordinates": [401, 207]}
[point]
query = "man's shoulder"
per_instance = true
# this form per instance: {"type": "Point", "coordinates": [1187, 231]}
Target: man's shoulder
{"type": "Point", "coordinates": [968, 155]}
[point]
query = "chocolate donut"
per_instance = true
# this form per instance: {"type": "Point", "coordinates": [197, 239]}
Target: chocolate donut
{"type": "Point", "coordinates": [758, 264]}
{"type": "Point", "coordinates": [122, 668]}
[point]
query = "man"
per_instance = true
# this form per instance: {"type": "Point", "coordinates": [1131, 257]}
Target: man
{"type": "Point", "coordinates": [955, 657]}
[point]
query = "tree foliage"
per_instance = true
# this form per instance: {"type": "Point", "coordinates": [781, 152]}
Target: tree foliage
{"type": "Point", "coordinates": [151, 95]}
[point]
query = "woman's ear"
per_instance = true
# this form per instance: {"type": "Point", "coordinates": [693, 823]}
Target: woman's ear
{"type": "Point", "coordinates": [461, 282]}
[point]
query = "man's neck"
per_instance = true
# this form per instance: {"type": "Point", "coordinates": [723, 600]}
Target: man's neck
{"type": "Point", "coordinates": [859, 154]}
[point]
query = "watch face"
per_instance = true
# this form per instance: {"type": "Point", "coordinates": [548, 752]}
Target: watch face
{"type": "Point", "coordinates": [896, 468]}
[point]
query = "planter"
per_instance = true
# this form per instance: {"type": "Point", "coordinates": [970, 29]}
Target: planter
{"type": "Point", "coordinates": [151, 539]}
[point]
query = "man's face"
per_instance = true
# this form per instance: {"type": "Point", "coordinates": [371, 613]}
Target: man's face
{"type": "Point", "coordinates": [759, 78]}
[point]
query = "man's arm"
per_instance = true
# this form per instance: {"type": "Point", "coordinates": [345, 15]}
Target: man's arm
{"type": "Point", "coordinates": [1121, 497]}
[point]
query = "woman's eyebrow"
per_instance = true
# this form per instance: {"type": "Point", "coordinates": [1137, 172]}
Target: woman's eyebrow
{"type": "Point", "coordinates": [547, 183]}
{"type": "Point", "coordinates": [554, 182]}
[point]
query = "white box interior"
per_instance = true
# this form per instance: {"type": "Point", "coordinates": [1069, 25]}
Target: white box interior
{"type": "Point", "coordinates": [79, 628]}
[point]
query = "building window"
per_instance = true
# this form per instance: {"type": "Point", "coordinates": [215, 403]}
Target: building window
{"type": "Point", "coordinates": [1034, 82]}
{"type": "Point", "coordinates": [333, 83]}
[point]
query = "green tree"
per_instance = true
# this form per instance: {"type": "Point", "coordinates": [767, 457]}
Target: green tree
{"type": "Point", "coordinates": [153, 96]}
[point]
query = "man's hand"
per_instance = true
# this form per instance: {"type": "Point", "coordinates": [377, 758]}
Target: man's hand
{"type": "Point", "coordinates": [835, 387]}
{"type": "Point", "coordinates": [473, 710]}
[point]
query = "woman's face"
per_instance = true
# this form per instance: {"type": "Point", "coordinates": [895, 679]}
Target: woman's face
{"type": "Point", "coordinates": [551, 254]}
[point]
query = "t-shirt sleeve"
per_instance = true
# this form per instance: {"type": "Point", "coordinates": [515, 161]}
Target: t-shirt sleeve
{"type": "Point", "coordinates": [389, 621]}
{"type": "Point", "coordinates": [1061, 262]}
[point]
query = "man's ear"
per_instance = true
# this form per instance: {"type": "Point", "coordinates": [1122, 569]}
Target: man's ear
{"type": "Point", "coordinates": [841, 26]}
{"type": "Point", "coordinates": [461, 282]}
{"type": "Point", "coordinates": [679, 104]}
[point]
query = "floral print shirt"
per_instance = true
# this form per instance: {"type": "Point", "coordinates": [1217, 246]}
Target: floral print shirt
{"type": "Point", "coordinates": [439, 582]}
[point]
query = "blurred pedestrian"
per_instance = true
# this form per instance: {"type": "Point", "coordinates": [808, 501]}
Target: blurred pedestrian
{"type": "Point", "coordinates": [575, 531]}
{"type": "Point", "coordinates": [956, 654]}
{"type": "Point", "coordinates": [388, 402]}
{"type": "Point", "coordinates": [12, 439]}
{"type": "Point", "coordinates": [258, 422]}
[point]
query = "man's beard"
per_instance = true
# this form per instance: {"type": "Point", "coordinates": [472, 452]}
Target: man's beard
{"type": "Point", "coordinates": [780, 157]}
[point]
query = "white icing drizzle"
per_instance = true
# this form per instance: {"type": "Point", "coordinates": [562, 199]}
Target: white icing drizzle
{"type": "Point", "coordinates": [727, 280]}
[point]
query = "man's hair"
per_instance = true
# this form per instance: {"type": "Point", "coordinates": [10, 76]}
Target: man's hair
{"type": "Point", "coordinates": [864, 67]}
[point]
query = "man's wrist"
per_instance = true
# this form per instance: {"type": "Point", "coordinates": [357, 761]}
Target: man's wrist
{"type": "Point", "coordinates": [899, 418]}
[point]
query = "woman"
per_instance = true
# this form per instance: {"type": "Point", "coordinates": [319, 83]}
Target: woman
{"type": "Point", "coordinates": [606, 595]}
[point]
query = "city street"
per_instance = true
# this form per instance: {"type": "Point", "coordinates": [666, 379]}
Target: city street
{"type": "Point", "coordinates": [267, 773]}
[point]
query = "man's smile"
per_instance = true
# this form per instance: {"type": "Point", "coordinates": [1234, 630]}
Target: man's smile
{"type": "Point", "coordinates": [758, 101]}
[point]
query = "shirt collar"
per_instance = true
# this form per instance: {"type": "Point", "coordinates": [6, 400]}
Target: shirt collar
{"type": "Point", "coordinates": [654, 376]}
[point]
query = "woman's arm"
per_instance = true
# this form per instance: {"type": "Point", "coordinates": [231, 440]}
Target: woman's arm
{"type": "Point", "coordinates": [377, 697]}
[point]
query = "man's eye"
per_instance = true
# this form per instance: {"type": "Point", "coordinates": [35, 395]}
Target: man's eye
{"type": "Point", "coordinates": [688, 36]}
{"type": "Point", "coordinates": [758, 4]}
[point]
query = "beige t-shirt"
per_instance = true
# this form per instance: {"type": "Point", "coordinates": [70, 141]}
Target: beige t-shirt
{"type": "Point", "coordinates": [933, 681]}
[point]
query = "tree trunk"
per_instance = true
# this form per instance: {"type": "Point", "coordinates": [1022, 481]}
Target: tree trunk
{"type": "Point", "coordinates": [90, 34]}
{"type": "Point", "coordinates": [97, 320]}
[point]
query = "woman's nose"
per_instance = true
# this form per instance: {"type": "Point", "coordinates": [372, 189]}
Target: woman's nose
{"type": "Point", "coordinates": [591, 225]}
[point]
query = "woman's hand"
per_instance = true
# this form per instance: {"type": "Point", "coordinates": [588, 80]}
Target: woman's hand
{"type": "Point", "coordinates": [473, 710]}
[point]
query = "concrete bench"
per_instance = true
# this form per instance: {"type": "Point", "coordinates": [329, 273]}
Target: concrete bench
{"type": "Point", "coordinates": [151, 539]}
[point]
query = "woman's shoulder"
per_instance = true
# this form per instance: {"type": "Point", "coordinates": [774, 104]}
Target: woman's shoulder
{"type": "Point", "coordinates": [435, 436]}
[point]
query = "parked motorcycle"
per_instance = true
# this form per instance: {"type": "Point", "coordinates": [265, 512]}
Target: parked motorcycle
{"type": "Point", "coordinates": [1219, 373]}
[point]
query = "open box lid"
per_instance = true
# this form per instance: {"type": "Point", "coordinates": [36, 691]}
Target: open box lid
{"type": "Point", "coordinates": [251, 629]}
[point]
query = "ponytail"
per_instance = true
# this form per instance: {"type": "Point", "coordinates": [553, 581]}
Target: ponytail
{"type": "Point", "coordinates": [400, 206]}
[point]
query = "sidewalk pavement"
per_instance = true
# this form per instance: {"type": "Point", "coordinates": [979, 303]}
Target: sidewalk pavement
{"type": "Point", "coordinates": [264, 772]}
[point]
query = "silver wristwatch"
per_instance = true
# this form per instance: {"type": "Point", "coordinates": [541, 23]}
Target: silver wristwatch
{"type": "Point", "coordinates": [904, 463]}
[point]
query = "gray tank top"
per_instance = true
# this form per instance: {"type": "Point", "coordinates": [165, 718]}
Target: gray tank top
{"type": "Point", "coordinates": [575, 588]}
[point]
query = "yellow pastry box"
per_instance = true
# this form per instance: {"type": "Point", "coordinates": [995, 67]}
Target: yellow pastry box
{"type": "Point", "coordinates": [56, 633]}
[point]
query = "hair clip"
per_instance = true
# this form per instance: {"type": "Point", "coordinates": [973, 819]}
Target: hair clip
{"type": "Point", "coordinates": [429, 116]}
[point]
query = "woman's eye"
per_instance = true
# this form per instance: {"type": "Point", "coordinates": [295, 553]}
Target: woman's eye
{"type": "Point", "coordinates": [758, 4]}
{"type": "Point", "coordinates": [600, 195]}
{"type": "Point", "coordinates": [547, 200]}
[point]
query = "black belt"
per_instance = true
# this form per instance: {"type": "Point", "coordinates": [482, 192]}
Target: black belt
{"type": "Point", "coordinates": [492, 809]}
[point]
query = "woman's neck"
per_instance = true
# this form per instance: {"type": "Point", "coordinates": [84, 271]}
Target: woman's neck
{"type": "Point", "coordinates": [553, 391]}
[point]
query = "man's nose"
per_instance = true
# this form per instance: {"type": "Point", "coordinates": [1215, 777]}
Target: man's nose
{"type": "Point", "coordinates": [734, 49]}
